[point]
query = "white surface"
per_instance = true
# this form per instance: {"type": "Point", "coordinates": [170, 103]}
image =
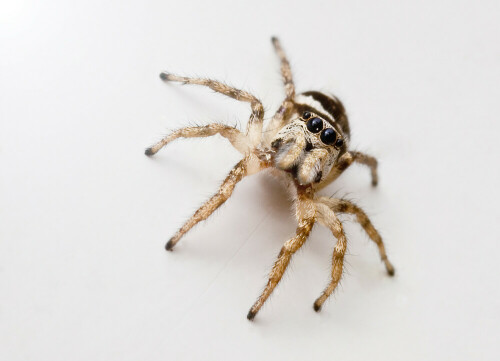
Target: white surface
{"type": "Point", "coordinates": [85, 215]}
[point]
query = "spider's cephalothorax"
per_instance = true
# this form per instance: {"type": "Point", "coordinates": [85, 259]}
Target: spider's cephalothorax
{"type": "Point", "coordinates": [310, 143]}
{"type": "Point", "coordinates": [306, 144]}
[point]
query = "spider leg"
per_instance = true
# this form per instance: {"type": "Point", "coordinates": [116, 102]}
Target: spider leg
{"type": "Point", "coordinates": [254, 127]}
{"type": "Point", "coordinates": [286, 72]}
{"type": "Point", "coordinates": [286, 108]}
{"type": "Point", "coordinates": [369, 161]}
{"type": "Point", "coordinates": [239, 171]}
{"type": "Point", "coordinates": [344, 162]}
{"type": "Point", "coordinates": [344, 206]}
{"type": "Point", "coordinates": [328, 218]}
{"type": "Point", "coordinates": [284, 257]}
{"type": "Point", "coordinates": [237, 139]}
{"type": "Point", "coordinates": [278, 121]}
{"type": "Point", "coordinates": [305, 215]}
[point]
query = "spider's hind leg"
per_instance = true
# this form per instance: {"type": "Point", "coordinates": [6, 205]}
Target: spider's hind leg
{"type": "Point", "coordinates": [288, 105]}
{"type": "Point", "coordinates": [286, 71]}
{"type": "Point", "coordinates": [237, 139]}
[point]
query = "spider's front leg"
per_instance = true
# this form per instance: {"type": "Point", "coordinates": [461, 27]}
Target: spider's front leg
{"type": "Point", "coordinates": [246, 166]}
{"type": "Point", "coordinates": [305, 213]}
{"type": "Point", "coordinates": [328, 218]}
{"type": "Point", "coordinates": [344, 206]}
{"type": "Point", "coordinates": [326, 208]}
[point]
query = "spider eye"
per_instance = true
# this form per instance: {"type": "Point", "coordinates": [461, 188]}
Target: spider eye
{"type": "Point", "coordinates": [315, 125]}
{"type": "Point", "coordinates": [339, 142]}
{"type": "Point", "coordinates": [306, 115]}
{"type": "Point", "coordinates": [328, 136]}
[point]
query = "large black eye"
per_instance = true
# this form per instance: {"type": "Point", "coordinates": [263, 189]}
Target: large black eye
{"type": "Point", "coordinates": [315, 125]}
{"type": "Point", "coordinates": [328, 136]}
{"type": "Point", "coordinates": [306, 115]}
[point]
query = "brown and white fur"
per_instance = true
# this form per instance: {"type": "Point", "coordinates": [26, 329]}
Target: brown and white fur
{"type": "Point", "coordinates": [302, 153]}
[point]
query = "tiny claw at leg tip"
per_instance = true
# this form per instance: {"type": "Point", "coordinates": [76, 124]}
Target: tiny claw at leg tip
{"type": "Point", "coordinates": [170, 245]}
{"type": "Point", "coordinates": [163, 76]}
{"type": "Point", "coordinates": [251, 315]}
{"type": "Point", "coordinates": [317, 307]}
{"type": "Point", "coordinates": [148, 152]}
{"type": "Point", "coordinates": [391, 272]}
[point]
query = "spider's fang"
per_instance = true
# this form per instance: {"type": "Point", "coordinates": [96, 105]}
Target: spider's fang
{"type": "Point", "coordinates": [294, 171]}
{"type": "Point", "coordinates": [276, 144]}
{"type": "Point", "coordinates": [318, 177]}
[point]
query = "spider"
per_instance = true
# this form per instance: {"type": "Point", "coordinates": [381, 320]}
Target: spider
{"type": "Point", "coordinates": [306, 145]}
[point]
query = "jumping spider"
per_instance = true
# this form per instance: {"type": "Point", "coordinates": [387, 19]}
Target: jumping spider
{"type": "Point", "coordinates": [305, 144]}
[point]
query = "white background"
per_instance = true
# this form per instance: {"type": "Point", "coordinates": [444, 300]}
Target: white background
{"type": "Point", "coordinates": [84, 215]}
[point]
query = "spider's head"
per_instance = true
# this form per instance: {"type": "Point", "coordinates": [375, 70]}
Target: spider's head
{"type": "Point", "coordinates": [309, 145]}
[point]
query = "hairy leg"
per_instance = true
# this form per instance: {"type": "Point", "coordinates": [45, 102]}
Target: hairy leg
{"type": "Point", "coordinates": [343, 206]}
{"type": "Point", "coordinates": [344, 162]}
{"type": "Point", "coordinates": [286, 108]}
{"type": "Point", "coordinates": [305, 215]}
{"type": "Point", "coordinates": [327, 217]}
{"type": "Point", "coordinates": [286, 72]}
{"type": "Point", "coordinates": [370, 162]}
{"type": "Point", "coordinates": [278, 121]}
{"type": "Point", "coordinates": [254, 127]}
{"type": "Point", "coordinates": [239, 171]}
{"type": "Point", "coordinates": [237, 139]}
